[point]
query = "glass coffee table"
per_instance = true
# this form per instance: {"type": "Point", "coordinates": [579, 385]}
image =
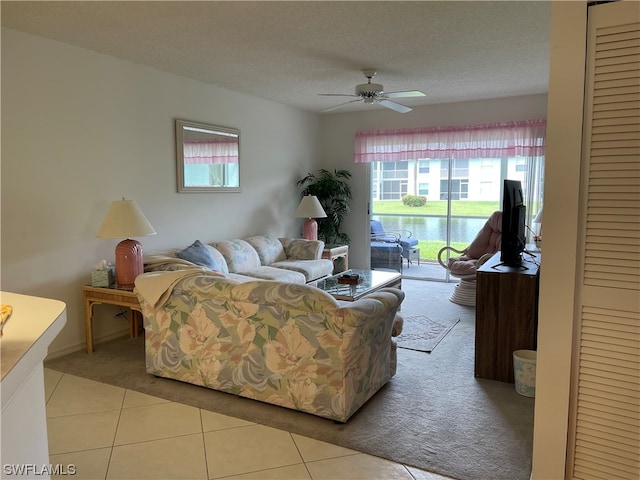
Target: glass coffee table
{"type": "Point", "coordinates": [371, 280]}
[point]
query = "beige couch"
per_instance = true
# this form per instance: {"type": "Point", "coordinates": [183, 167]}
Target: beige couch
{"type": "Point", "coordinates": [262, 257]}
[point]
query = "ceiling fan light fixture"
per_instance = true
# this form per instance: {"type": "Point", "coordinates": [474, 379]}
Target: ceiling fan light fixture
{"type": "Point", "coordinates": [369, 90]}
{"type": "Point", "coordinates": [373, 93]}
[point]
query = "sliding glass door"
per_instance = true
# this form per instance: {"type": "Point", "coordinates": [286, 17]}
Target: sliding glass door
{"type": "Point", "coordinates": [445, 202]}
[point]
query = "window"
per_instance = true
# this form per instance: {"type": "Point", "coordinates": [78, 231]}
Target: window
{"type": "Point", "coordinates": [423, 189]}
{"type": "Point", "coordinates": [459, 189]}
{"type": "Point", "coordinates": [390, 180]}
{"type": "Point", "coordinates": [423, 166]}
{"type": "Point", "coordinates": [215, 175]}
{"type": "Point", "coordinates": [395, 170]}
{"type": "Point", "coordinates": [459, 168]}
{"type": "Point", "coordinates": [393, 190]}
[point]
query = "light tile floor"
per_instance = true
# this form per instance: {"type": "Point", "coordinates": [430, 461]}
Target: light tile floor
{"type": "Point", "coordinates": [108, 432]}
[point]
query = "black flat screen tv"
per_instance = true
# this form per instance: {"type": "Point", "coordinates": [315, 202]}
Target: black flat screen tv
{"type": "Point", "coordinates": [513, 224]}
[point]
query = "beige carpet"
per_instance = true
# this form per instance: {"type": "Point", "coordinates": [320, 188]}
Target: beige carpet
{"type": "Point", "coordinates": [433, 414]}
{"type": "Point", "coordinates": [423, 334]}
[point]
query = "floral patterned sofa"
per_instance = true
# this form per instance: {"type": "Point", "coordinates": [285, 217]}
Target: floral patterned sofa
{"type": "Point", "coordinates": [288, 344]}
{"type": "Point", "coordinates": [262, 257]}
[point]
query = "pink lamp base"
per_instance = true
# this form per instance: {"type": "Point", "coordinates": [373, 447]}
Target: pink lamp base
{"type": "Point", "coordinates": [310, 229]}
{"type": "Point", "coordinates": [128, 262]}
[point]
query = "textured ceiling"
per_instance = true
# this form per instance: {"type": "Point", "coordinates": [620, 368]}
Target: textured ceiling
{"type": "Point", "coordinates": [289, 52]}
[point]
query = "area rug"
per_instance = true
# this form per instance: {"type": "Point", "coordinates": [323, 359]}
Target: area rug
{"type": "Point", "coordinates": [422, 333]}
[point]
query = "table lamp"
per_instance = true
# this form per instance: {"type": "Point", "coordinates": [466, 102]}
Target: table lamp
{"type": "Point", "coordinates": [310, 208]}
{"type": "Point", "coordinates": [125, 219]}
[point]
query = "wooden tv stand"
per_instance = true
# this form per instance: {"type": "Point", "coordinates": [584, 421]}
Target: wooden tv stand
{"type": "Point", "coordinates": [506, 315]}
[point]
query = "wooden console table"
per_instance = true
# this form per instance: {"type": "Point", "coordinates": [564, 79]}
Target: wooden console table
{"type": "Point", "coordinates": [506, 315]}
{"type": "Point", "coordinates": [333, 252]}
{"type": "Point", "coordinates": [111, 296]}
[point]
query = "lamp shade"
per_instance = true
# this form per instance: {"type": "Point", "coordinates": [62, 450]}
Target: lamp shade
{"type": "Point", "coordinates": [125, 219]}
{"type": "Point", "coordinates": [310, 208]}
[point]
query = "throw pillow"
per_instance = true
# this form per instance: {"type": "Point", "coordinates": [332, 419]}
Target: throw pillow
{"type": "Point", "coordinates": [199, 254]}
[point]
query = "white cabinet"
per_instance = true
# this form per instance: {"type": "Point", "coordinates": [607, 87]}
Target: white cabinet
{"type": "Point", "coordinates": [33, 325]}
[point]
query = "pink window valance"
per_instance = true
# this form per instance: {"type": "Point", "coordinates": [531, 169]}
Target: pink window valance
{"type": "Point", "coordinates": [210, 151]}
{"type": "Point", "coordinates": [493, 140]}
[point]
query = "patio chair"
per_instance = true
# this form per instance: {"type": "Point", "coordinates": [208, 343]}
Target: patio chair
{"type": "Point", "coordinates": [469, 260]}
{"type": "Point", "coordinates": [404, 238]}
{"type": "Point", "coordinates": [386, 255]}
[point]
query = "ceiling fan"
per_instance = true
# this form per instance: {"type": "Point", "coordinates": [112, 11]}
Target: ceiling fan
{"type": "Point", "coordinates": [374, 93]}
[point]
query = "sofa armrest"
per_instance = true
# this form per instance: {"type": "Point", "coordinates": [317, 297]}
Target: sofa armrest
{"type": "Point", "coordinates": [399, 294]}
{"type": "Point", "coordinates": [302, 249]}
{"type": "Point", "coordinates": [367, 345]}
{"type": "Point", "coordinates": [379, 306]}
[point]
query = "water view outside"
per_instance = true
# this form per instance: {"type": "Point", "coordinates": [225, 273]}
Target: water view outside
{"type": "Point", "coordinates": [434, 229]}
{"type": "Point", "coordinates": [431, 232]}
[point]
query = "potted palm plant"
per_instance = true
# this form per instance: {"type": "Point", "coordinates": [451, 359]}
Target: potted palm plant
{"type": "Point", "coordinates": [334, 193]}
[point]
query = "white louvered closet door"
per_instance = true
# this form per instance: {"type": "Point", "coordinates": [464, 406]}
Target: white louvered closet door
{"type": "Point", "coordinates": [605, 433]}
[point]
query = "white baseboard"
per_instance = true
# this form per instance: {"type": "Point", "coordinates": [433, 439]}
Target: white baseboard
{"type": "Point", "coordinates": [80, 346]}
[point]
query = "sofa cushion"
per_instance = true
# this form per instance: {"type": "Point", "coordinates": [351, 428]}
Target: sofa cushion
{"type": "Point", "coordinates": [376, 227]}
{"type": "Point", "coordinates": [198, 253]}
{"type": "Point", "coordinates": [311, 269]}
{"type": "Point", "coordinates": [408, 242]}
{"type": "Point", "coordinates": [378, 234]}
{"type": "Point", "coordinates": [240, 256]}
{"type": "Point", "coordinates": [280, 274]}
{"type": "Point", "coordinates": [462, 266]}
{"type": "Point", "coordinates": [219, 258]}
{"type": "Point", "coordinates": [302, 249]}
{"type": "Point", "coordinates": [269, 248]}
{"type": "Point", "coordinates": [488, 239]}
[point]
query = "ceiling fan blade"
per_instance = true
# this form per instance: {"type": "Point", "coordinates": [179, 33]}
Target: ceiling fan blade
{"type": "Point", "coordinates": [341, 105]}
{"type": "Point", "coordinates": [337, 95]}
{"type": "Point", "coordinates": [395, 106]}
{"type": "Point", "coordinates": [408, 93]}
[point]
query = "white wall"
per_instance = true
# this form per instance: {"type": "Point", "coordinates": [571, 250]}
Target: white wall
{"type": "Point", "coordinates": [558, 271]}
{"type": "Point", "coordinates": [338, 133]}
{"type": "Point", "coordinates": [81, 129]}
